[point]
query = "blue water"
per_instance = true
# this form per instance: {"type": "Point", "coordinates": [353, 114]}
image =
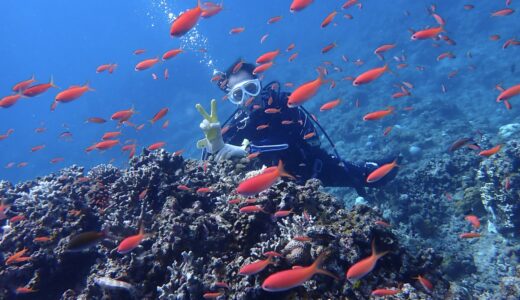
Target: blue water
{"type": "Point", "coordinates": [69, 39]}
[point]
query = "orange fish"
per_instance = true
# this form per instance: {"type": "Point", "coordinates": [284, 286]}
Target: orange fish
{"type": "Point", "coordinates": [186, 21]}
{"type": "Point", "coordinates": [139, 51]}
{"type": "Point", "coordinates": [272, 110]}
{"type": "Point", "coordinates": [72, 93]}
{"type": "Point", "coordinates": [387, 130]}
{"type": "Point", "coordinates": [35, 90]}
{"type": "Point", "coordinates": [381, 172]}
{"type": "Point", "coordinates": [376, 115]}
{"type": "Point", "coordinates": [429, 33]}
{"type": "Point", "coordinates": [103, 68]}
{"type": "Point", "coordinates": [328, 19]}
{"type": "Point", "coordinates": [17, 257]}
{"type": "Point", "coordinates": [509, 93]}
{"type": "Point", "coordinates": [42, 239]}
{"type": "Point", "coordinates": [183, 187]}
{"type": "Point", "coordinates": [384, 292]}
{"type": "Point", "coordinates": [24, 290]}
{"type": "Point", "coordinates": [57, 160]}
{"type": "Point", "coordinates": [330, 105]}
{"type": "Point", "coordinates": [491, 151]}
{"type": "Point", "coordinates": [237, 30]}
{"type": "Point", "coordinates": [383, 48]}
{"type": "Point", "coordinates": [146, 64]}
{"type": "Point", "coordinates": [290, 47]}
{"type": "Point", "coordinates": [293, 56]}
{"type": "Point", "coordinates": [131, 242]}
{"type": "Point", "coordinates": [105, 145]}
{"type": "Point", "coordinates": [95, 120]}
{"type": "Point", "coordinates": [503, 12]}
{"type": "Point", "coordinates": [17, 218]}
{"type": "Point", "coordinates": [366, 265]}
{"type": "Point", "coordinates": [171, 53]}
{"type": "Point", "coordinates": [10, 100]}
{"type": "Point", "coordinates": [37, 148]}
{"type": "Point", "coordinates": [445, 55]}
{"type": "Point", "coordinates": [110, 135]}
{"type": "Point", "coordinates": [306, 91]}
{"type": "Point", "coordinates": [267, 57]}
{"type": "Point", "coordinates": [262, 182]}
{"type": "Point", "coordinates": [469, 235]}
{"type": "Point", "coordinates": [262, 68]}
{"type": "Point", "coordinates": [159, 115]}
{"type": "Point", "coordinates": [282, 213]}
{"type": "Point", "coordinates": [123, 115]}
{"type": "Point", "coordinates": [212, 295]}
{"type": "Point", "coordinates": [309, 135]}
{"type": "Point", "coordinates": [263, 126]}
{"type": "Point", "coordinates": [288, 279]}
{"type": "Point", "coordinates": [259, 265]}
{"type": "Point", "coordinates": [22, 85]}
{"type": "Point", "coordinates": [473, 220]}
{"type": "Point", "coordinates": [349, 3]}
{"type": "Point", "coordinates": [156, 146]}
{"type": "Point", "coordinates": [426, 284]}
{"type": "Point", "coordinates": [274, 19]}
{"type": "Point", "coordinates": [252, 209]}
{"type": "Point", "coordinates": [203, 190]}
{"type": "Point", "coordinates": [370, 75]}
{"type": "Point", "coordinates": [328, 47]}
{"type": "Point", "coordinates": [298, 5]}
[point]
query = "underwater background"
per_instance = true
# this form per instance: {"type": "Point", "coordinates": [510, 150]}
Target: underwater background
{"type": "Point", "coordinates": [191, 249]}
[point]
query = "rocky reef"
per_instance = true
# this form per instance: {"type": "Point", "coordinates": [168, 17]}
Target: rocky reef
{"type": "Point", "coordinates": [196, 237]}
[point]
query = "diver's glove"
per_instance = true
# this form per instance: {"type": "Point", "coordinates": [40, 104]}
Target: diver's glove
{"type": "Point", "coordinates": [213, 142]}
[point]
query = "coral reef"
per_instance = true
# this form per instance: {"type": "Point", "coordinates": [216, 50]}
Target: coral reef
{"type": "Point", "coordinates": [196, 240]}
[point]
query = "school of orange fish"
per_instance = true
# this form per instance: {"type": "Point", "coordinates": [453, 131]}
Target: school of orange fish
{"type": "Point", "coordinates": [287, 279]}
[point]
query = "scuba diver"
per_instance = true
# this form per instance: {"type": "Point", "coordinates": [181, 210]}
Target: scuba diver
{"type": "Point", "coordinates": [264, 125]}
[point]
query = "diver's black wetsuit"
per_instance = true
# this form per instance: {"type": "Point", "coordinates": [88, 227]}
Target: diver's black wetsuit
{"type": "Point", "coordinates": [304, 158]}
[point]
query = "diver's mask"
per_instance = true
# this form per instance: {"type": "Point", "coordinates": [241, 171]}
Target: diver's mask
{"type": "Point", "coordinates": [243, 90]}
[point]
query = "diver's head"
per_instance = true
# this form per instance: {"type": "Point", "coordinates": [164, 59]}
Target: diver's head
{"type": "Point", "coordinates": [240, 83]}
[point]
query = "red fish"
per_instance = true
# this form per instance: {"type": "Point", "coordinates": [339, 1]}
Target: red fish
{"type": "Point", "coordinates": [261, 182]}
{"type": "Point", "coordinates": [103, 68]}
{"type": "Point", "coordinates": [211, 10]}
{"type": "Point", "coordinates": [259, 265]}
{"type": "Point", "coordinates": [37, 148]}
{"type": "Point", "coordinates": [445, 55]}
{"type": "Point", "coordinates": [509, 93]}
{"type": "Point", "coordinates": [252, 209]}
{"type": "Point", "coordinates": [298, 5]}
{"type": "Point", "coordinates": [387, 130]}
{"type": "Point", "coordinates": [95, 120]}
{"type": "Point", "coordinates": [328, 47]}
{"type": "Point", "coordinates": [274, 19]}
{"type": "Point", "coordinates": [426, 284]}
{"type": "Point", "coordinates": [17, 218]}
{"type": "Point", "coordinates": [293, 56]}
{"type": "Point", "coordinates": [282, 213]}
{"type": "Point", "coordinates": [183, 187]}
{"type": "Point", "coordinates": [288, 279]}
{"type": "Point", "coordinates": [105, 145]}
{"type": "Point", "coordinates": [22, 85]}
{"type": "Point", "coordinates": [72, 93]}
{"type": "Point", "coordinates": [24, 290]}
{"type": "Point", "coordinates": [57, 160]}
{"type": "Point", "coordinates": [503, 12]}
{"type": "Point", "coordinates": [429, 33]}
{"type": "Point", "coordinates": [328, 19]}
{"type": "Point", "coordinates": [156, 146]}
{"type": "Point", "coordinates": [139, 51]}
{"type": "Point", "coordinates": [171, 53]}
{"type": "Point", "coordinates": [36, 90]}
{"type": "Point", "coordinates": [267, 57]}
{"type": "Point", "coordinates": [491, 151]}
{"type": "Point", "coordinates": [186, 21]}
{"type": "Point", "coordinates": [370, 75]}
{"type": "Point", "coordinates": [237, 30]}
{"type": "Point", "coordinates": [349, 3]}
{"type": "Point", "coordinates": [110, 135]}
{"type": "Point", "coordinates": [203, 190]}
{"type": "Point", "coordinates": [306, 91]}
{"type": "Point", "coordinates": [384, 292]}
{"type": "Point", "coordinates": [146, 64]}
{"type": "Point", "coordinates": [381, 172]}
{"type": "Point", "coordinates": [131, 242]}
{"type": "Point", "coordinates": [262, 68]}
{"type": "Point", "coordinates": [330, 105]}
{"type": "Point", "coordinates": [212, 295]}
{"type": "Point", "coordinates": [376, 115]}
{"type": "Point", "coordinates": [160, 114]}
{"type": "Point", "coordinates": [17, 257]}
{"type": "Point", "coordinates": [10, 100]}
{"type": "Point", "coordinates": [469, 235]}
{"type": "Point", "coordinates": [473, 220]}
{"type": "Point", "coordinates": [123, 115]}
{"type": "Point", "coordinates": [383, 48]}
{"type": "Point", "coordinates": [366, 265]}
